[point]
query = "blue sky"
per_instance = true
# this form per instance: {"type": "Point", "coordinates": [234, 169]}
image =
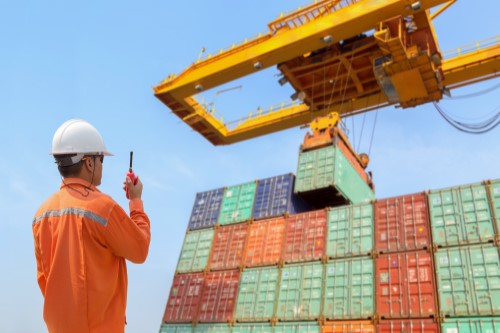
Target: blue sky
{"type": "Point", "coordinates": [98, 60]}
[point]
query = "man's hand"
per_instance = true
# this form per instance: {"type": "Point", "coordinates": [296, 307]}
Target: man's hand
{"type": "Point", "coordinates": [134, 191]}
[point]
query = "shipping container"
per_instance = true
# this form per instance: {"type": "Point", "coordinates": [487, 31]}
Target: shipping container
{"type": "Point", "coordinates": [218, 297]}
{"type": "Point", "coordinates": [408, 326]}
{"type": "Point", "coordinates": [494, 192]}
{"type": "Point", "coordinates": [297, 327]}
{"type": "Point", "coordinates": [257, 294]}
{"type": "Point", "coordinates": [228, 247]}
{"type": "Point", "coordinates": [212, 328]}
{"type": "Point", "coordinates": [274, 197]}
{"type": "Point", "coordinates": [471, 325]}
{"type": "Point", "coordinates": [325, 178]}
{"type": "Point", "coordinates": [265, 241]}
{"type": "Point", "coordinates": [360, 326]}
{"type": "Point", "coordinates": [402, 224]}
{"type": "Point", "coordinates": [300, 292]}
{"type": "Point", "coordinates": [195, 251]}
{"type": "Point", "coordinates": [237, 203]}
{"type": "Point", "coordinates": [305, 237]}
{"type": "Point", "coordinates": [468, 280]}
{"type": "Point", "coordinates": [405, 286]}
{"type": "Point", "coordinates": [176, 328]}
{"type": "Point", "coordinates": [460, 216]}
{"type": "Point", "coordinates": [253, 328]}
{"type": "Point", "coordinates": [206, 209]}
{"type": "Point", "coordinates": [350, 231]}
{"type": "Point", "coordinates": [184, 298]}
{"type": "Point", "coordinates": [349, 289]}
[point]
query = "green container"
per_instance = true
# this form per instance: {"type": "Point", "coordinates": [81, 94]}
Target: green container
{"type": "Point", "coordinates": [300, 292]}
{"type": "Point", "coordinates": [195, 251]}
{"type": "Point", "coordinates": [237, 203]}
{"type": "Point", "coordinates": [212, 328]}
{"type": "Point", "coordinates": [460, 215]}
{"type": "Point", "coordinates": [350, 231]}
{"type": "Point", "coordinates": [349, 289]}
{"type": "Point", "coordinates": [297, 327]}
{"type": "Point", "coordinates": [176, 328]}
{"type": "Point", "coordinates": [252, 328]}
{"type": "Point", "coordinates": [327, 168]}
{"type": "Point", "coordinates": [257, 294]}
{"type": "Point", "coordinates": [494, 189]}
{"type": "Point", "coordinates": [468, 279]}
{"type": "Point", "coordinates": [471, 325]}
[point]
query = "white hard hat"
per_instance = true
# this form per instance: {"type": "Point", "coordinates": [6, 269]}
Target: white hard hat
{"type": "Point", "coordinates": [77, 136]}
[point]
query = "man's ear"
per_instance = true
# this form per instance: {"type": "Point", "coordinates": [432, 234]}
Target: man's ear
{"type": "Point", "coordinates": [89, 163]}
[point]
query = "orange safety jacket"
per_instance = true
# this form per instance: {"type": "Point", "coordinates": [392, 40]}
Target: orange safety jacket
{"type": "Point", "coordinates": [82, 238]}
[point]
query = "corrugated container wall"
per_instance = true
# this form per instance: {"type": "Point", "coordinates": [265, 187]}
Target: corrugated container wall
{"type": "Point", "coordinates": [176, 328]}
{"type": "Point", "coordinates": [305, 236]}
{"type": "Point", "coordinates": [195, 251]}
{"type": "Point", "coordinates": [409, 326]}
{"type": "Point", "coordinates": [402, 224]}
{"type": "Point", "coordinates": [218, 296]}
{"type": "Point", "coordinates": [350, 231]}
{"type": "Point", "coordinates": [468, 280]}
{"type": "Point", "coordinates": [212, 328]}
{"type": "Point", "coordinates": [494, 192]}
{"type": "Point", "coordinates": [361, 326]}
{"type": "Point", "coordinates": [355, 302]}
{"type": "Point", "coordinates": [228, 247]}
{"type": "Point", "coordinates": [237, 203]}
{"type": "Point", "coordinates": [265, 240]}
{"type": "Point", "coordinates": [253, 328]}
{"type": "Point", "coordinates": [274, 197]}
{"type": "Point", "coordinates": [300, 292]}
{"type": "Point", "coordinates": [184, 298]}
{"type": "Point", "coordinates": [325, 178]}
{"type": "Point", "coordinates": [206, 209]}
{"type": "Point", "coordinates": [257, 294]}
{"type": "Point", "coordinates": [405, 286]}
{"type": "Point", "coordinates": [460, 215]}
{"type": "Point", "coordinates": [471, 325]}
{"type": "Point", "coordinates": [297, 327]}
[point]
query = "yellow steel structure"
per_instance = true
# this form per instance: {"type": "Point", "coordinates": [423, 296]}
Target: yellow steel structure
{"type": "Point", "coordinates": [347, 56]}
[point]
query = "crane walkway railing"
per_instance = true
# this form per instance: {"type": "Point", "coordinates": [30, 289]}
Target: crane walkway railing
{"type": "Point", "coordinates": [470, 48]}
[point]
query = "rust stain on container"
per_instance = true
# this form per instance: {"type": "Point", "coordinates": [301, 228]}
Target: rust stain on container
{"type": "Point", "coordinates": [228, 247]}
{"type": "Point", "coordinates": [184, 298]}
{"type": "Point", "coordinates": [218, 297]}
{"type": "Point", "coordinates": [305, 237]}
{"type": "Point", "coordinates": [265, 240]}
{"type": "Point", "coordinates": [405, 285]}
{"type": "Point", "coordinates": [402, 224]}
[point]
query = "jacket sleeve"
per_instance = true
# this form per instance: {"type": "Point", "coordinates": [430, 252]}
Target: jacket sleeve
{"type": "Point", "coordinates": [40, 276]}
{"type": "Point", "coordinates": [129, 236]}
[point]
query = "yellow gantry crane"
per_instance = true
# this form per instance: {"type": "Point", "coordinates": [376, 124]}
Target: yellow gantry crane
{"type": "Point", "coordinates": [345, 56]}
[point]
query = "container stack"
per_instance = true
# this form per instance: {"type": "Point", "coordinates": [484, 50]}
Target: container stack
{"type": "Point", "coordinates": [261, 257]}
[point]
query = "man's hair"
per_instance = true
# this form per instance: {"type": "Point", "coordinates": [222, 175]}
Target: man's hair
{"type": "Point", "coordinates": [68, 170]}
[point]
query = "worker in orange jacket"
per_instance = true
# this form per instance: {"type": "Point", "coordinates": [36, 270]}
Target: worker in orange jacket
{"type": "Point", "coordinates": [82, 238]}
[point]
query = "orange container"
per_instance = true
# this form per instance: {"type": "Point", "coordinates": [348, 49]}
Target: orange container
{"type": "Point", "coordinates": [228, 247]}
{"type": "Point", "coordinates": [305, 235]}
{"type": "Point", "coordinates": [361, 326]}
{"type": "Point", "coordinates": [265, 240]}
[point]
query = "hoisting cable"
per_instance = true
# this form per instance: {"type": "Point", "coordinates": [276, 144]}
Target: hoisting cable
{"type": "Point", "coordinates": [373, 130]}
{"type": "Point", "coordinates": [471, 128]}
{"type": "Point", "coordinates": [479, 93]}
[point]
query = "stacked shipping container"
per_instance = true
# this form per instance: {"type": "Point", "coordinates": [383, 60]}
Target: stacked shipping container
{"type": "Point", "coordinates": [266, 265]}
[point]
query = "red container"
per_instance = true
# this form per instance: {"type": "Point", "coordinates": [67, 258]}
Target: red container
{"type": "Point", "coordinates": [265, 240]}
{"type": "Point", "coordinates": [408, 326]}
{"type": "Point", "coordinates": [219, 296]}
{"type": "Point", "coordinates": [305, 236]}
{"type": "Point", "coordinates": [360, 326]}
{"type": "Point", "coordinates": [228, 247]}
{"type": "Point", "coordinates": [402, 224]}
{"type": "Point", "coordinates": [405, 285]}
{"type": "Point", "coordinates": [184, 299]}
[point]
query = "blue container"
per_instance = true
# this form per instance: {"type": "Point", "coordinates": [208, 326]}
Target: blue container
{"type": "Point", "coordinates": [206, 209]}
{"type": "Point", "coordinates": [275, 197]}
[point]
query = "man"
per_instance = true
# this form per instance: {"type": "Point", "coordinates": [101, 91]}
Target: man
{"type": "Point", "coordinates": [82, 238]}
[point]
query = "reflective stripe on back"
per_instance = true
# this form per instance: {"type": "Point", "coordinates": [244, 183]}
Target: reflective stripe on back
{"type": "Point", "coordinates": [72, 211]}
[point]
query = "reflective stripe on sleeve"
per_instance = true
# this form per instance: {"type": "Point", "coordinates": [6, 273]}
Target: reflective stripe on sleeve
{"type": "Point", "coordinates": [72, 211]}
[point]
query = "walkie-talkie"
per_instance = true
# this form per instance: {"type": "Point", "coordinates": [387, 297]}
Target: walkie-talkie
{"type": "Point", "coordinates": [131, 175]}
